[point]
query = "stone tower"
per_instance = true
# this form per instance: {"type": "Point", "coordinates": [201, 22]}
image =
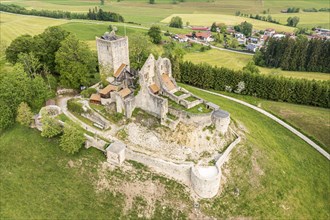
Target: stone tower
{"type": "Point", "coordinates": [112, 51]}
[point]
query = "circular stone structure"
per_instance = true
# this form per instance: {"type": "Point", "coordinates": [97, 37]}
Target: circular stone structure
{"type": "Point", "coordinates": [205, 180]}
{"type": "Point", "coordinates": [221, 120]}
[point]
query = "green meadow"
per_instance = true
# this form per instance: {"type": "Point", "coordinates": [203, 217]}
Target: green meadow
{"type": "Point", "coordinates": [237, 61]}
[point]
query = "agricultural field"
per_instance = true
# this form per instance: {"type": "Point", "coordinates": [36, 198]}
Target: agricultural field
{"type": "Point", "coordinates": [141, 11]}
{"type": "Point", "coordinates": [208, 19]}
{"type": "Point", "coordinates": [307, 19]}
{"type": "Point", "coordinates": [13, 26]}
{"type": "Point", "coordinates": [237, 61]}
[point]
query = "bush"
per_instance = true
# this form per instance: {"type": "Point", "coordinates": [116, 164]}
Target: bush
{"type": "Point", "coordinates": [50, 126]}
{"type": "Point", "coordinates": [88, 92]}
{"type": "Point", "coordinates": [72, 139]}
{"type": "Point", "coordinates": [75, 106]}
{"type": "Point", "coordinates": [24, 114]}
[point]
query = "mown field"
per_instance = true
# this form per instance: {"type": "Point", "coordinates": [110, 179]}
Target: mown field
{"type": "Point", "coordinates": [307, 19]}
{"type": "Point", "coordinates": [12, 26]}
{"type": "Point", "coordinates": [141, 11]}
{"type": "Point", "coordinates": [238, 61]}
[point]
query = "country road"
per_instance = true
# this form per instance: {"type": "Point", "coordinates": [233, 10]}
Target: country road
{"type": "Point", "coordinates": [281, 122]}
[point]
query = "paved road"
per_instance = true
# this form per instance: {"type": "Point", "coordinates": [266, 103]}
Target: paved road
{"type": "Point", "coordinates": [287, 126]}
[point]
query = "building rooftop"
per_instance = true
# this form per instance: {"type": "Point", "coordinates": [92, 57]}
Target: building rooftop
{"type": "Point", "coordinates": [154, 88]}
{"type": "Point", "coordinates": [119, 70]}
{"type": "Point", "coordinates": [124, 92]}
{"type": "Point", "coordinates": [95, 97]}
{"type": "Point", "coordinates": [221, 114]}
{"type": "Point", "coordinates": [108, 88]}
{"type": "Point", "coordinates": [116, 147]}
{"type": "Point", "coordinates": [110, 36]}
{"type": "Point", "coordinates": [168, 82]}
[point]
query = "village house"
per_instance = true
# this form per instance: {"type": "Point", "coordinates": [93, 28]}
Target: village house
{"type": "Point", "coordinates": [241, 41]}
{"type": "Point", "coordinates": [203, 36]}
{"type": "Point", "coordinates": [253, 47]}
{"type": "Point", "coordinates": [269, 32]}
{"type": "Point", "coordinates": [181, 37]}
{"type": "Point", "coordinates": [200, 28]}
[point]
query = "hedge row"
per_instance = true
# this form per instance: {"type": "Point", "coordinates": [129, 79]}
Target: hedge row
{"type": "Point", "coordinates": [299, 91]}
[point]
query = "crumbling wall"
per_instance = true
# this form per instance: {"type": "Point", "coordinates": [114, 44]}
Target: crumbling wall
{"type": "Point", "coordinates": [205, 180]}
{"type": "Point", "coordinates": [146, 100]}
{"type": "Point", "coordinates": [191, 118]}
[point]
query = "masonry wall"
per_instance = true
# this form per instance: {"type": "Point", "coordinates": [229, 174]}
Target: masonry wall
{"type": "Point", "coordinates": [205, 187]}
{"type": "Point", "coordinates": [111, 54]}
{"type": "Point", "coordinates": [190, 118]}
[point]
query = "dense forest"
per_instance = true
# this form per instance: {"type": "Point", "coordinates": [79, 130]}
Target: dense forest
{"type": "Point", "coordinates": [298, 54]}
{"type": "Point", "coordinates": [93, 14]}
{"type": "Point", "coordinates": [299, 91]}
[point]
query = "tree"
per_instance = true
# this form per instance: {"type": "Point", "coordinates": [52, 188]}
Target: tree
{"type": "Point", "coordinates": [151, 1]}
{"type": "Point", "coordinates": [75, 62]}
{"type": "Point", "coordinates": [140, 47]}
{"type": "Point", "coordinates": [246, 28]}
{"type": "Point", "coordinates": [6, 115]}
{"type": "Point", "coordinates": [293, 21]}
{"type": "Point", "coordinates": [176, 22]}
{"type": "Point", "coordinates": [214, 27]}
{"type": "Point", "coordinates": [233, 43]}
{"type": "Point", "coordinates": [155, 34]}
{"type": "Point", "coordinates": [72, 139]}
{"type": "Point", "coordinates": [30, 63]}
{"type": "Point", "coordinates": [47, 44]}
{"type": "Point", "coordinates": [50, 126]}
{"type": "Point", "coordinates": [251, 68]}
{"type": "Point", "coordinates": [102, 2]}
{"type": "Point", "coordinates": [24, 114]}
{"type": "Point", "coordinates": [22, 44]}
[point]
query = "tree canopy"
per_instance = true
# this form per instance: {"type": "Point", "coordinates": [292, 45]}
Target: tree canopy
{"type": "Point", "coordinates": [155, 34]}
{"type": "Point", "coordinates": [72, 139]}
{"type": "Point", "coordinates": [140, 47]}
{"type": "Point", "coordinates": [76, 63]}
{"type": "Point", "coordinates": [176, 22]}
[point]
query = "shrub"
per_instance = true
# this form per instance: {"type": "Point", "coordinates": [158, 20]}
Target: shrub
{"type": "Point", "coordinates": [24, 114]}
{"type": "Point", "coordinates": [75, 106]}
{"type": "Point", "coordinates": [88, 92]}
{"type": "Point", "coordinates": [72, 139]}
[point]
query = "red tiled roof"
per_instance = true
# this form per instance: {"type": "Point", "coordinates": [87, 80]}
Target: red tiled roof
{"type": "Point", "coordinates": [154, 88]}
{"type": "Point", "coordinates": [119, 70]}
{"type": "Point", "coordinates": [124, 92]}
{"type": "Point", "coordinates": [203, 34]}
{"type": "Point", "coordinates": [199, 28]}
{"type": "Point", "coordinates": [95, 97]}
{"type": "Point", "coordinates": [108, 89]}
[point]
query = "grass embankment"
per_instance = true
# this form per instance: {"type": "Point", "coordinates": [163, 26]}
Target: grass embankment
{"type": "Point", "coordinates": [238, 61]}
{"type": "Point", "coordinates": [310, 120]}
{"type": "Point", "coordinates": [278, 175]}
{"type": "Point", "coordinates": [40, 181]}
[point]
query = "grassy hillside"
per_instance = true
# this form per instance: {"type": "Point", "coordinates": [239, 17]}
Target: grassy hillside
{"type": "Point", "coordinates": [238, 61]}
{"type": "Point", "coordinates": [313, 121]}
{"type": "Point", "coordinates": [277, 174]}
{"type": "Point", "coordinates": [307, 19]}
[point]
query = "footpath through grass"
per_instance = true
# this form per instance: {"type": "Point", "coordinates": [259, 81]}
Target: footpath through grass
{"type": "Point", "coordinates": [277, 174]}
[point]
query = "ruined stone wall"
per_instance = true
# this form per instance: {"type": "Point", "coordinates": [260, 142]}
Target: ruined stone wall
{"type": "Point", "coordinates": [190, 118]}
{"type": "Point", "coordinates": [145, 99]}
{"type": "Point", "coordinates": [180, 172]}
{"type": "Point", "coordinates": [111, 54]}
{"type": "Point", "coordinates": [205, 180]}
{"type": "Point", "coordinates": [129, 106]}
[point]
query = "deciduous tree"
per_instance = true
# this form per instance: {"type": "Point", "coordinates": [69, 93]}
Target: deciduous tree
{"type": "Point", "coordinates": [75, 62]}
{"type": "Point", "coordinates": [155, 34]}
{"type": "Point", "coordinates": [72, 139]}
{"type": "Point", "coordinates": [24, 114]}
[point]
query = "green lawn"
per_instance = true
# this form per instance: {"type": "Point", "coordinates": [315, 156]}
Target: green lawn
{"type": "Point", "coordinates": [40, 181]}
{"type": "Point", "coordinates": [313, 121]}
{"type": "Point", "coordinates": [238, 61]}
{"type": "Point", "coordinates": [278, 175]}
